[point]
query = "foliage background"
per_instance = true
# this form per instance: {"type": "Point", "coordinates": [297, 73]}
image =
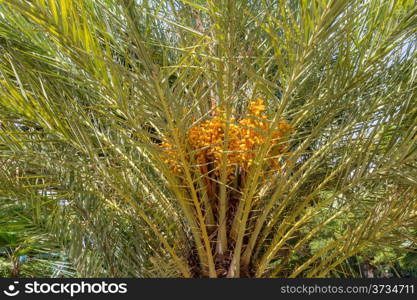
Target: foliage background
{"type": "Point", "coordinates": [82, 180]}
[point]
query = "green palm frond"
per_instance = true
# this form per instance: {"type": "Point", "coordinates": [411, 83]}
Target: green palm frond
{"type": "Point", "coordinates": [91, 90]}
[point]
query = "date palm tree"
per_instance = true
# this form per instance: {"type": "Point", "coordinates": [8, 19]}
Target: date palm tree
{"type": "Point", "coordinates": [226, 138]}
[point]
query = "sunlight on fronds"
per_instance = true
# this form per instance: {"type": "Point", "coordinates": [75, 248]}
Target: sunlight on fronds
{"type": "Point", "coordinates": [196, 138]}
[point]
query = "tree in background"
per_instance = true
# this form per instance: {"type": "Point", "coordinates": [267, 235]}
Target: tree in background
{"type": "Point", "coordinates": [27, 249]}
{"type": "Point", "coordinates": [211, 138]}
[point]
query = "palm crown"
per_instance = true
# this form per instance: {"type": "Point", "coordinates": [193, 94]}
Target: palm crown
{"type": "Point", "coordinates": [211, 138]}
